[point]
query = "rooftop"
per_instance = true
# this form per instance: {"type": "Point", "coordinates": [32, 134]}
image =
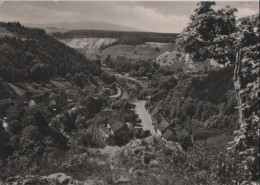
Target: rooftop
{"type": "Point", "coordinates": [163, 125]}
{"type": "Point", "coordinates": [115, 124]}
{"type": "Point", "coordinates": [170, 135]}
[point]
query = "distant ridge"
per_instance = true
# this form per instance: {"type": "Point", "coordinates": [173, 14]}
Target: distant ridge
{"type": "Point", "coordinates": [89, 25]}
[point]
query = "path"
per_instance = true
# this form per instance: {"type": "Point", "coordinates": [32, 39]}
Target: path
{"type": "Point", "coordinates": [118, 94]}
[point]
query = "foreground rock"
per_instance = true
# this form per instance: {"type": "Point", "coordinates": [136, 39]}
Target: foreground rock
{"type": "Point", "coordinates": [144, 160]}
{"type": "Point", "coordinates": [57, 178]}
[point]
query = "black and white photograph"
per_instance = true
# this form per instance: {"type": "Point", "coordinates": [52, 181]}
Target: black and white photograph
{"type": "Point", "coordinates": [129, 92]}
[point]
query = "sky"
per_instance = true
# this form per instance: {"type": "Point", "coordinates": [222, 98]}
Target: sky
{"type": "Point", "coordinates": [170, 17]}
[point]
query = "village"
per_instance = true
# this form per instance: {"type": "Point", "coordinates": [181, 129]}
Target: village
{"type": "Point", "coordinates": [115, 117]}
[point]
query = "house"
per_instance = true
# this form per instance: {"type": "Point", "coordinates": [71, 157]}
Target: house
{"type": "Point", "coordinates": [72, 93]}
{"type": "Point", "coordinates": [53, 99]}
{"type": "Point", "coordinates": [129, 125]}
{"type": "Point", "coordinates": [5, 101]}
{"type": "Point", "coordinates": [106, 112]}
{"type": "Point", "coordinates": [163, 125]}
{"type": "Point", "coordinates": [32, 103]}
{"type": "Point", "coordinates": [170, 135]}
{"type": "Point", "coordinates": [123, 181]}
{"type": "Point", "coordinates": [147, 97]}
{"type": "Point", "coordinates": [105, 133]}
{"type": "Point", "coordinates": [5, 125]}
{"type": "Point", "coordinates": [154, 111]}
{"type": "Point", "coordinates": [94, 182]}
{"type": "Point", "coordinates": [89, 88]}
{"type": "Point", "coordinates": [115, 125]}
{"type": "Point", "coordinates": [122, 104]}
{"type": "Point", "coordinates": [182, 135]}
{"type": "Point", "coordinates": [52, 102]}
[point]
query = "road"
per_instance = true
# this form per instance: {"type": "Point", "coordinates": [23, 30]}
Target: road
{"type": "Point", "coordinates": [130, 78]}
{"type": "Point", "coordinates": [118, 94]}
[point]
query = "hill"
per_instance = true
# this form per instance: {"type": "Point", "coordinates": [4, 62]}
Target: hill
{"type": "Point", "coordinates": [124, 37]}
{"type": "Point", "coordinates": [88, 25]}
{"type": "Point", "coordinates": [31, 54]}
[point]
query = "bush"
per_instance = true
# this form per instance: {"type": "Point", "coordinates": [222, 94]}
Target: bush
{"type": "Point", "coordinates": [5, 148]}
{"type": "Point", "coordinates": [39, 72]}
{"type": "Point", "coordinates": [14, 127]}
{"type": "Point", "coordinates": [108, 78]}
{"type": "Point", "coordinates": [168, 84]}
{"type": "Point", "coordinates": [157, 49]}
{"type": "Point", "coordinates": [31, 133]}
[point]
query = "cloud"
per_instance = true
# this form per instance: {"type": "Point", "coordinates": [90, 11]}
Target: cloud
{"type": "Point", "coordinates": [27, 12]}
{"type": "Point", "coordinates": [150, 19]}
{"type": "Point", "coordinates": [147, 16]}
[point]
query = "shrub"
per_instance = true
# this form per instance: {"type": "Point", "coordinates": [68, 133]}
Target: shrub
{"type": "Point", "coordinates": [14, 127]}
{"type": "Point", "coordinates": [31, 133]}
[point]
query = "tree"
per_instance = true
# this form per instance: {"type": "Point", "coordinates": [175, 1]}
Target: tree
{"type": "Point", "coordinates": [240, 45]}
{"type": "Point", "coordinates": [31, 133]}
{"type": "Point", "coordinates": [5, 148]}
{"type": "Point", "coordinates": [14, 127]}
{"type": "Point", "coordinates": [40, 120]}
{"type": "Point", "coordinates": [209, 34]}
{"type": "Point", "coordinates": [39, 72]}
{"type": "Point", "coordinates": [108, 78]}
{"type": "Point", "coordinates": [246, 76]}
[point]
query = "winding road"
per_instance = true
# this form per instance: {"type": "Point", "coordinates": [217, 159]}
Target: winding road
{"type": "Point", "coordinates": [118, 94]}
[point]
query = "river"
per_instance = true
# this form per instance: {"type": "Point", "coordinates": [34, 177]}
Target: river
{"type": "Point", "coordinates": [145, 116]}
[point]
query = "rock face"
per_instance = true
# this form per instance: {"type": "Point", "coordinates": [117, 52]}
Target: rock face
{"type": "Point", "coordinates": [88, 44]}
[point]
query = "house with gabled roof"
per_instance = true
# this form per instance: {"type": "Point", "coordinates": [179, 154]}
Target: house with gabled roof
{"type": "Point", "coordinates": [72, 93]}
{"type": "Point", "coordinates": [5, 101]}
{"type": "Point", "coordinates": [115, 125]}
{"type": "Point", "coordinates": [170, 135]}
{"type": "Point", "coordinates": [162, 126]}
{"type": "Point", "coordinates": [123, 181]}
{"type": "Point", "coordinates": [89, 88]}
{"type": "Point", "coordinates": [105, 133]}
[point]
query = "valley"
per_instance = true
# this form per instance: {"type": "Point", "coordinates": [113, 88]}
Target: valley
{"type": "Point", "coordinates": [118, 108]}
{"type": "Point", "coordinates": [101, 107]}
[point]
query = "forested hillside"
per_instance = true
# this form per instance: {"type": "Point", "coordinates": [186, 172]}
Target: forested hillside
{"type": "Point", "coordinates": [215, 34]}
{"type": "Point", "coordinates": [193, 103]}
{"type": "Point", "coordinates": [31, 54]}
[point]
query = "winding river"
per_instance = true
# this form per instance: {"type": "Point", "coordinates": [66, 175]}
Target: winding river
{"type": "Point", "coordinates": [143, 114]}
